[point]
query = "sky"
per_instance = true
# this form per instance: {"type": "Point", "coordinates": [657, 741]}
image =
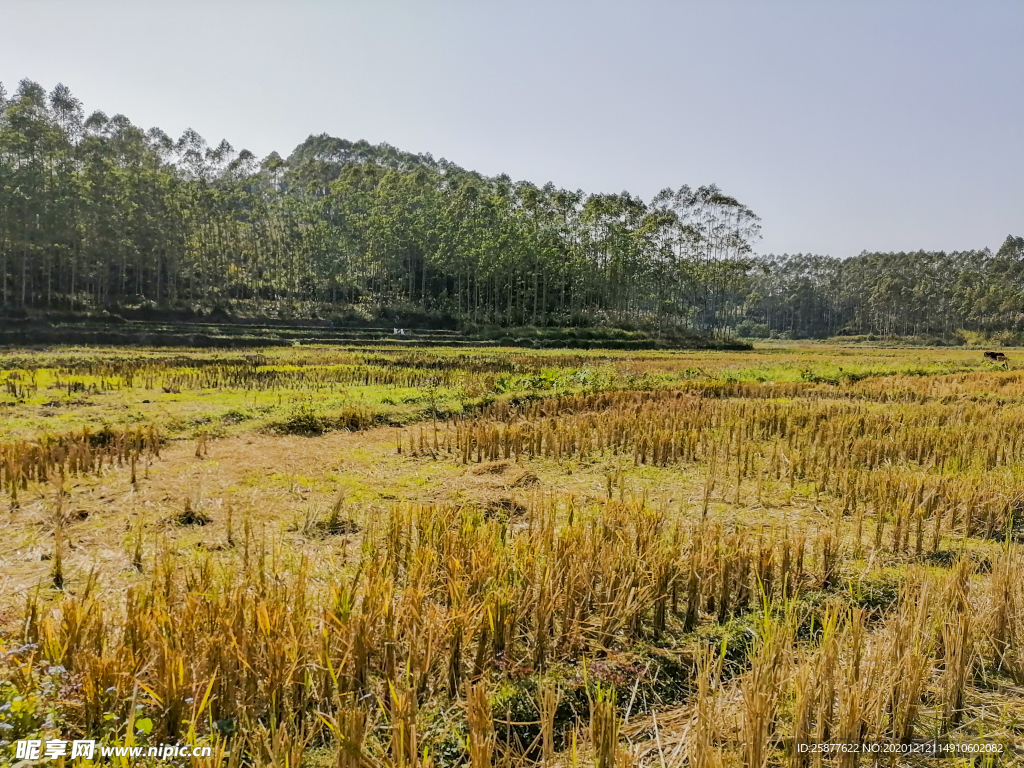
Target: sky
{"type": "Point", "coordinates": [871, 125]}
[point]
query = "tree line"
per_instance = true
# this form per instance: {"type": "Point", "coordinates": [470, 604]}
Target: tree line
{"type": "Point", "coordinates": [96, 212]}
{"type": "Point", "coordinates": [923, 294]}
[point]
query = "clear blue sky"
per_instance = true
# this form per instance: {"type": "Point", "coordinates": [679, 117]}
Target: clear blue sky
{"type": "Point", "coordinates": [847, 125]}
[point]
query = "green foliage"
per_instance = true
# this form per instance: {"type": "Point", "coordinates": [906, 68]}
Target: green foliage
{"type": "Point", "coordinates": [959, 297]}
{"type": "Point", "coordinates": [97, 214]}
{"type": "Point", "coordinates": [750, 329]}
{"type": "Point", "coordinates": [101, 218]}
{"type": "Point", "coordinates": [20, 715]}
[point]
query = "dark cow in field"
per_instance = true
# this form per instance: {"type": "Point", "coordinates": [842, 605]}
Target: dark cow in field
{"type": "Point", "coordinates": [999, 357]}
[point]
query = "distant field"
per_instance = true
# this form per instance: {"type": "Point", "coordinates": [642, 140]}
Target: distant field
{"type": "Point", "coordinates": [221, 392]}
{"type": "Point", "coordinates": [320, 555]}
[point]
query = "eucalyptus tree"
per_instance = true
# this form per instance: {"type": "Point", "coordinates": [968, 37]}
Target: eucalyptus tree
{"type": "Point", "coordinates": [95, 211]}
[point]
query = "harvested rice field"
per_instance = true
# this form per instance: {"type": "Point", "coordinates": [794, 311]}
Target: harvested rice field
{"type": "Point", "coordinates": [318, 556]}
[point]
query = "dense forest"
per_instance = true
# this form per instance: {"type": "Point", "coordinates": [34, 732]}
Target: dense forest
{"type": "Point", "coordinates": [96, 213]}
{"type": "Point", "coordinates": [924, 294]}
